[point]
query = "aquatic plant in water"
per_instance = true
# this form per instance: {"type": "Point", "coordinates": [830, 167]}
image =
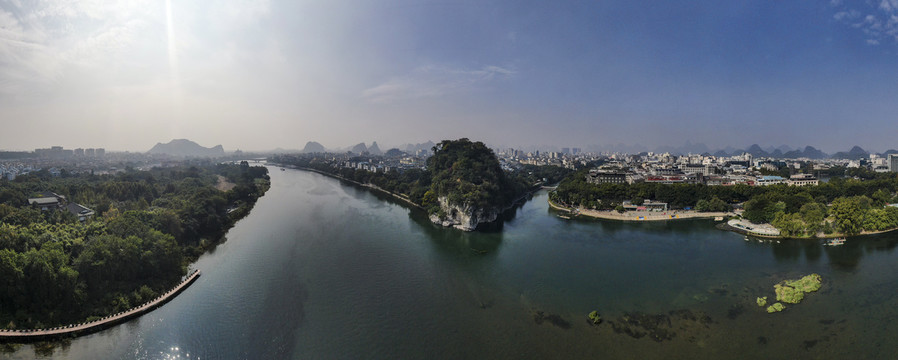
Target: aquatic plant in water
{"type": "Point", "coordinates": [776, 307]}
{"type": "Point", "coordinates": [788, 294]}
{"type": "Point", "coordinates": [792, 291]}
{"type": "Point", "coordinates": [595, 317]}
{"type": "Point", "coordinates": [806, 284]}
{"type": "Point", "coordinates": [762, 301]}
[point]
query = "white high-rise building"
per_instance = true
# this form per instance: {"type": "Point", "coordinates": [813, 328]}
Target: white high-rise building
{"type": "Point", "coordinates": [893, 162]}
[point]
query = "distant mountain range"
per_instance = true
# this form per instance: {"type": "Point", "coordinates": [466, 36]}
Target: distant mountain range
{"type": "Point", "coordinates": [186, 148]}
{"type": "Point", "coordinates": [313, 147]}
{"type": "Point", "coordinates": [360, 148]}
{"type": "Point", "coordinates": [782, 151]}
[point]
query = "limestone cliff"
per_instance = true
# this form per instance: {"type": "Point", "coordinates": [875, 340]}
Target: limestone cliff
{"type": "Point", "coordinates": [462, 217]}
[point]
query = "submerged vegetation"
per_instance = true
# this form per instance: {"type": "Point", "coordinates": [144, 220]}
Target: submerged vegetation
{"type": "Point", "coordinates": [791, 292]}
{"type": "Point", "coordinates": [595, 318]}
{"type": "Point", "coordinates": [147, 226]}
{"type": "Point", "coordinates": [776, 307]}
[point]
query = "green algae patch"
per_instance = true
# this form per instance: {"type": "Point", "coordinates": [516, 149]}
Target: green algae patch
{"type": "Point", "coordinates": [788, 294]}
{"type": "Point", "coordinates": [776, 307]}
{"type": "Point", "coordinates": [762, 301]}
{"type": "Point", "coordinates": [595, 318]}
{"type": "Point", "coordinates": [792, 291]}
{"type": "Point", "coordinates": [806, 284]}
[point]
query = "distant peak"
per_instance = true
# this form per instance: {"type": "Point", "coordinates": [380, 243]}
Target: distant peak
{"type": "Point", "coordinates": [186, 148]}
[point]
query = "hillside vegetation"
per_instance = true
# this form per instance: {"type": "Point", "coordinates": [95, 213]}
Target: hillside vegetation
{"type": "Point", "coordinates": [148, 226]}
{"type": "Point", "coordinates": [468, 174]}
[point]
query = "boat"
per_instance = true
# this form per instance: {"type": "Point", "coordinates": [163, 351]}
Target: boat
{"type": "Point", "coordinates": [718, 218]}
{"type": "Point", "coordinates": [835, 242]}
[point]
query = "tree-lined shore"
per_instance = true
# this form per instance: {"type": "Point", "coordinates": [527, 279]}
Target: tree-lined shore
{"type": "Point", "coordinates": [842, 206]}
{"type": "Point", "coordinates": [146, 228]}
{"type": "Point", "coordinates": [462, 178]}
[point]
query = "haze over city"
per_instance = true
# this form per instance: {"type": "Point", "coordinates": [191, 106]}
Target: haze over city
{"type": "Point", "coordinates": [258, 75]}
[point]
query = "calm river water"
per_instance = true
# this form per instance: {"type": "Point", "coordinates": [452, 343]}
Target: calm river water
{"type": "Point", "coordinates": [325, 270]}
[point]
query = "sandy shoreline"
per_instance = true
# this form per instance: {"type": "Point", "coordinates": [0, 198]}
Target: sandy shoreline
{"type": "Point", "coordinates": [681, 215]}
{"type": "Point", "coordinates": [643, 215]}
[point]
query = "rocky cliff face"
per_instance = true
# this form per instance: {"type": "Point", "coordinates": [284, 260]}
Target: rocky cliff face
{"type": "Point", "coordinates": [463, 217]}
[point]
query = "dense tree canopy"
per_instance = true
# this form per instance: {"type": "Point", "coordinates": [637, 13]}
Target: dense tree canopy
{"type": "Point", "coordinates": [857, 203]}
{"type": "Point", "coordinates": [468, 173]}
{"type": "Point", "coordinates": [148, 226]}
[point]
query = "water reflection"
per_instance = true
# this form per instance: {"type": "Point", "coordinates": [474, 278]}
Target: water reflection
{"type": "Point", "coordinates": [844, 257]}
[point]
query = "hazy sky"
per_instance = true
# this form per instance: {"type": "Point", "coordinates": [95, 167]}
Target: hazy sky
{"type": "Point", "coordinates": [263, 74]}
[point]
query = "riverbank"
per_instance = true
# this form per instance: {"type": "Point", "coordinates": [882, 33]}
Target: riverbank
{"type": "Point", "coordinates": [745, 227]}
{"type": "Point", "coordinates": [403, 198]}
{"type": "Point", "coordinates": [73, 330]}
{"type": "Point", "coordinates": [400, 197]}
{"type": "Point", "coordinates": [641, 215]}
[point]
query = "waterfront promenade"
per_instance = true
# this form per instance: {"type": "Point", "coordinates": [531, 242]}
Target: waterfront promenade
{"type": "Point", "coordinates": [642, 215]}
{"type": "Point", "coordinates": [30, 335]}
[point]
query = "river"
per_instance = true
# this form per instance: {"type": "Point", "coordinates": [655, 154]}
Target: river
{"type": "Point", "coordinates": [324, 269]}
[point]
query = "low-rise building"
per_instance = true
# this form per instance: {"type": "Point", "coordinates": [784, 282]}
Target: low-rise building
{"type": "Point", "coordinates": [803, 180]}
{"type": "Point", "coordinates": [606, 177]}
{"type": "Point", "coordinates": [80, 211]}
{"type": "Point", "coordinates": [47, 200]}
{"type": "Point", "coordinates": [770, 180]}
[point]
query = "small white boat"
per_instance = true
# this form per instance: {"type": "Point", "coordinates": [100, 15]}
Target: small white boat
{"type": "Point", "coordinates": [835, 242]}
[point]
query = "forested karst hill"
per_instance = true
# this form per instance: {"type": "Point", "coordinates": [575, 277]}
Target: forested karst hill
{"type": "Point", "coordinates": [462, 185]}
{"type": "Point", "coordinates": [468, 185]}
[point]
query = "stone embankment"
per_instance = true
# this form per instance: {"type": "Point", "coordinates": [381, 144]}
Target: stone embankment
{"type": "Point", "coordinates": [31, 335]}
{"type": "Point", "coordinates": [641, 215]}
{"type": "Point", "coordinates": [750, 228]}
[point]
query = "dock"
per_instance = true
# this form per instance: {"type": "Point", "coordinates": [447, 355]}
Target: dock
{"type": "Point", "coordinates": [73, 330]}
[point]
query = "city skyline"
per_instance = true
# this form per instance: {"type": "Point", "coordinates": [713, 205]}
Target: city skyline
{"type": "Point", "coordinates": [260, 75]}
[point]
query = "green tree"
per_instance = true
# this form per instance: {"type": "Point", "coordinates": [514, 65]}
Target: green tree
{"type": "Point", "coordinates": [789, 225]}
{"type": "Point", "coordinates": [849, 212]}
{"type": "Point", "coordinates": [812, 214]}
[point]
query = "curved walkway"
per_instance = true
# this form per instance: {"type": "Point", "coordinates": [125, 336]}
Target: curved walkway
{"type": "Point", "coordinates": [641, 215]}
{"type": "Point", "coordinates": [29, 335]}
{"type": "Point", "coordinates": [754, 229]}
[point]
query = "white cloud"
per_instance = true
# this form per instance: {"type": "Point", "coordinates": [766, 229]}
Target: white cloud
{"type": "Point", "coordinates": [880, 24]}
{"type": "Point", "coordinates": [42, 42]}
{"type": "Point", "coordinates": [23, 56]}
{"type": "Point", "coordinates": [889, 5]}
{"type": "Point", "coordinates": [432, 81]}
{"type": "Point", "coordinates": [847, 15]}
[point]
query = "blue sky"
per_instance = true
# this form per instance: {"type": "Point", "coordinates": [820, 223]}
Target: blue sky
{"type": "Point", "coordinates": [258, 74]}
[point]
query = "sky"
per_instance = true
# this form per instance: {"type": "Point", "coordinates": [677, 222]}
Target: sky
{"type": "Point", "coordinates": [263, 74]}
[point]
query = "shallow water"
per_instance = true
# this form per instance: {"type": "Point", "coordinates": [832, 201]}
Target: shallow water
{"type": "Point", "coordinates": [322, 269]}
